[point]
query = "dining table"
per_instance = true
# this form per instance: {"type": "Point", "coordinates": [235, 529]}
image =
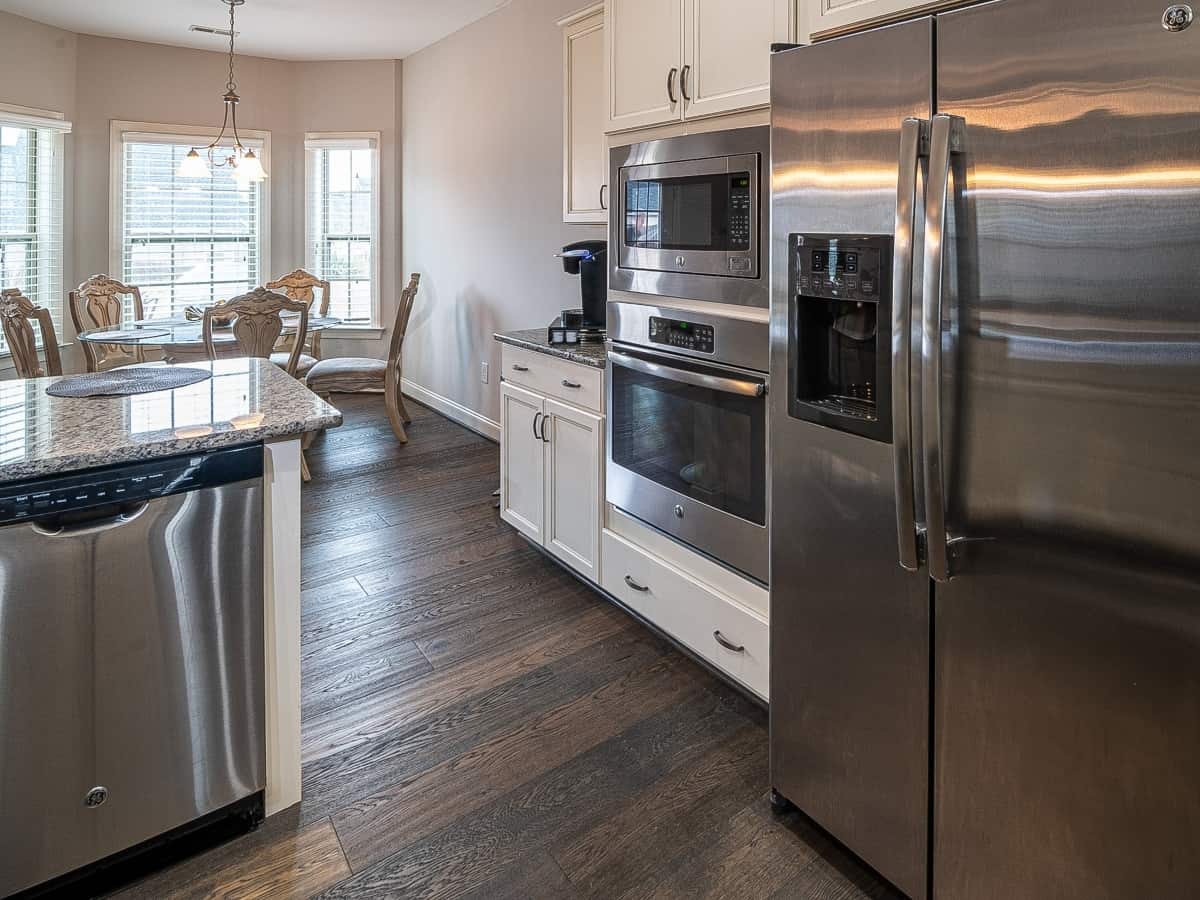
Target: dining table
{"type": "Point", "coordinates": [181, 339]}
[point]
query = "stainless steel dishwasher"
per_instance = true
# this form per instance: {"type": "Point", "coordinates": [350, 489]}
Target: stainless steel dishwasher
{"type": "Point", "coordinates": [131, 658]}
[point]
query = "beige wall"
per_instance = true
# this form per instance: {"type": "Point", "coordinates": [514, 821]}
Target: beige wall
{"type": "Point", "coordinates": [482, 195]}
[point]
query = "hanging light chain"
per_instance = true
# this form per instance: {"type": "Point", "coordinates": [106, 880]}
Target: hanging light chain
{"type": "Point", "coordinates": [231, 85]}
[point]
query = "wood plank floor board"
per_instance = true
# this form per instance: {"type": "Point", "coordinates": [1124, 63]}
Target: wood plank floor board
{"type": "Point", "coordinates": [478, 723]}
{"type": "Point", "coordinates": [391, 757]}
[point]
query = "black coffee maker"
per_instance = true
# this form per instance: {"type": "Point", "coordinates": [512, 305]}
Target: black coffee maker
{"type": "Point", "coordinates": [589, 260]}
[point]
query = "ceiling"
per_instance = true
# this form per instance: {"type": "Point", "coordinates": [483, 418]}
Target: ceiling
{"type": "Point", "coordinates": [282, 29]}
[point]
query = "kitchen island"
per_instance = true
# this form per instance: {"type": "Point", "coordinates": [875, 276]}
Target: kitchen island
{"type": "Point", "coordinates": [246, 403]}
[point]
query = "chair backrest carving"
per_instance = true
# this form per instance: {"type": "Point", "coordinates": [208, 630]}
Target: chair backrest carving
{"type": "Point", "coordinates": [299, 285]}
{"type": "Point", "coordinates": [17, 312]}
{"type": "Point", "coordinates": [99, 302]}
{"type": "Point", "coordinates": [403, 313]}
{"type": "Point", "coordinates": [258, 324]}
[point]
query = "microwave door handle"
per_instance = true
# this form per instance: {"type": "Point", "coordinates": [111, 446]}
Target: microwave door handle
{"type": "Point", "coordinates": [696, 379]}
{"type": "Point", "coordinates": [945, 138]}
{"type": "Point", "coordinates": [914, 137]}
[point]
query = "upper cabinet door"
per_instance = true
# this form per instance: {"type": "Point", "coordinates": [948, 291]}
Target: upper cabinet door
{"type": "Point", "coordinates": [727, 53]}
{"type": "Point", "coordinates": [820, 18]}
{"type": "Point", "coordinates": [584, 160]}
{"type": "Point", "coordinates": [645, 54]}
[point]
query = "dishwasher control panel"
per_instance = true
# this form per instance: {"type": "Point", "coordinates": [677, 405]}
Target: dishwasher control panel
{"type": "Point", "coordinates": [126, 484]}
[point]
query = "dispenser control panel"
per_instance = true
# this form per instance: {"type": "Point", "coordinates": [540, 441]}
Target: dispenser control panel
{"type": "Point", "coordinates": [837, 268]}
{"type": "Point", "coordinates": [685, 335]}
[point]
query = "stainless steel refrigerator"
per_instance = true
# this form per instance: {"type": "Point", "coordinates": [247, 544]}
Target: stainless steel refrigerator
{"type": "Point", "coordinates": [985, 448]}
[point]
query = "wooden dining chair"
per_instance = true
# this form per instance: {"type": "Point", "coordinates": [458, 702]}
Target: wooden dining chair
{"type": "Point", "coordinates": [351, 374]}
{"type": "Point", "coordinates": [300, 285]}
{"type": "Point", "coordinates": [16, 315]}
{"type": "Point", "coordinates": [99, 302]}
{"type": "Point", "coordinates": [257, 325]}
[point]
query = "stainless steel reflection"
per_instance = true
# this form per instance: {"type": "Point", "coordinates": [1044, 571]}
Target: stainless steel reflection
{"type": "Point", "coordinates": [663, 369]}
{"type": "Point", "coordinates": [1071, 399]}
{"type": "Point", "coordinates": [131, 657]}
{"type": "Point", "coordinates": [705, 274]}
{"type": "Point", "coordinates": [1053, 426]}
{"type": "Point", "coordinates": [849, 626]}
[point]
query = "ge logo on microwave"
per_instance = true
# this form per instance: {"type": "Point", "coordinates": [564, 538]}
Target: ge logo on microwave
{"type": "Point", "coordinates": [1177, 17]}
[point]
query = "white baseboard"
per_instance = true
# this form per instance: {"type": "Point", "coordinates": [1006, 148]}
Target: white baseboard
{"type": "Point", "coordinates": [452, 409]}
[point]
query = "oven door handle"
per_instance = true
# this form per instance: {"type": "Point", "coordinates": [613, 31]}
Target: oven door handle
{"type": "Point", "coordinates": [698, 379]}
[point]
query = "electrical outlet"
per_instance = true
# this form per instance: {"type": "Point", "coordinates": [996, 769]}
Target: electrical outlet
{"type": "Point", "coordinates": [483, 372]}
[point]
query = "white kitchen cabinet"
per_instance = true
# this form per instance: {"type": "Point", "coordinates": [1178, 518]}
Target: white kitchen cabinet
{"type": "Point", "coordinates": [673, 60]}
{"type": "Point", "coordinates": [644, 40]}
{"type": "Point", "coordinates": [819, 18]}
{"type": "Point", "coordinates": [522, 466]}
{"type": "Point", "coordinates": [585, 162]}
{"type": "Point", "coordinates": [574, 454]}
{"type": "Point", "coordinates": [552, 455]}
{"type": "Point", "coordinates": [727, 53]}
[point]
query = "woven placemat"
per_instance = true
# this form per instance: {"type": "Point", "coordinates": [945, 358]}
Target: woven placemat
{"type": "Point", "coordinates": [131, 380]}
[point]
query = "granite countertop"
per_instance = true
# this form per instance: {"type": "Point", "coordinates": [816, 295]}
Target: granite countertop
{"type": "Point", "coordinates": [591, 353]}
{"type": "Point", "coordinates": [246, 401]}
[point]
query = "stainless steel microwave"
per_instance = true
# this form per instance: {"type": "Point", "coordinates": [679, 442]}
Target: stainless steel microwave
{"type": "Point", "coordinates": [690, 217]}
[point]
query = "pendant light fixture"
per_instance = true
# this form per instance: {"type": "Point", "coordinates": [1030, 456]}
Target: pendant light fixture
{"type": "Point", "coordinates": [241, 161]}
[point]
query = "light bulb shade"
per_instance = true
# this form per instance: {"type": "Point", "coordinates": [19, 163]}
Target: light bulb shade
{"type": "Point", "coordinates": [193, 166]}
{"type": "Point", "coordinates": [249, 167]}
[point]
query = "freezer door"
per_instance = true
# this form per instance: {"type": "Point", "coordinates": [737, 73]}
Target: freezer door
{"type": "Point", "coordinates": [1067, 682]}
{"type": "Point", "coordinates": [849, 626]}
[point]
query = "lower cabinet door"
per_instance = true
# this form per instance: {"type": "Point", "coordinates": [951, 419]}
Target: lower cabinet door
{"type": "Point", "coordinates": [522, 465]}
{"type": "Point", "coordinates": [574, 487]}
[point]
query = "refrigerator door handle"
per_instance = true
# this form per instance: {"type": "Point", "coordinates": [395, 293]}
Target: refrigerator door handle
{"type": "Point", "coordinates": [914, 143]}
{"type": "Point", "coordinates": [946, 137]}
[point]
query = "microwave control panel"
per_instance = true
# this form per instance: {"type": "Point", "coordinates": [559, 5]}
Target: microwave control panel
{"type": "Point", "coordinates": [739, 214]}
{"type": "Point", "coordinates": [837, 269]}
{"type": "Point", "coordinates": [685, 335]}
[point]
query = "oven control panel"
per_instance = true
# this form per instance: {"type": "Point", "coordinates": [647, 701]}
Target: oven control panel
{"type": "Point", "coordinates": [684, 335]}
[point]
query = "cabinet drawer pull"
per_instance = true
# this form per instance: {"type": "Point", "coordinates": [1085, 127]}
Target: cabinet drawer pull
{"type": "Point", "coordinates": [517, 367]}
{"type": "Point", "coordinates": [571, 384]}
{"type": "Point", "coordinates": [728, 644]}
{"type": "Point", "coordinates": [641, 588]}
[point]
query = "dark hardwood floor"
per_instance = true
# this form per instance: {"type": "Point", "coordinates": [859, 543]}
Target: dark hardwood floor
{"type": "Point", "coordinates": [478, 723]}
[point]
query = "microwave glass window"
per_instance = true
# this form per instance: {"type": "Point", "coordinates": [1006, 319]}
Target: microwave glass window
{"type": "Point", "coordinates": [701, 212]}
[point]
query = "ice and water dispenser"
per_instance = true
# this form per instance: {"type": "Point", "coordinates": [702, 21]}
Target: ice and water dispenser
{"type": "Point", "coordinates": [841, 332]}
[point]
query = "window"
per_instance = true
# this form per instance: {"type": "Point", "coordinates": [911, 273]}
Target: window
{"type": "Point", "coordinates": [342, 222]}
{"type": "Point", "coordinates": [31, 208]}
{"type": "Point", "coordinates": [186, 241]}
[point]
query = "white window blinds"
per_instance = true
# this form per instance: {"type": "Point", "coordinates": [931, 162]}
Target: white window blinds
{"type": "Point", "coordinates": [342, 223]}
{"type": "Point", "coordinates": [31, 210]}
{"type": "Point", "coordinates": [186, 241]}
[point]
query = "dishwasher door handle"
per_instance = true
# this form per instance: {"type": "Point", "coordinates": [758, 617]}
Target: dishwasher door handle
{"type": "Point", "coordinates": [93, 526]}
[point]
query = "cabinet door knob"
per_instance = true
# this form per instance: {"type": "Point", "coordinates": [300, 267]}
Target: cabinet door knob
{"type": "Point", "coordinates": [683, 79]}
{"type": "Point", "coordinates": [671, 85]}
{"type": "Point", "coordinates": [571, 384]}
{"type": "Point", "coordinates": [728, 644]}
{"type": "Point", "coordinates": [641, 588]}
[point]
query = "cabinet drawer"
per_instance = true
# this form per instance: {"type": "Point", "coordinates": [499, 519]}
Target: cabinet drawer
{"type": "Point", "coordinates": [688, 611]}
{"type": "Point", "coordinates": [554, 377]}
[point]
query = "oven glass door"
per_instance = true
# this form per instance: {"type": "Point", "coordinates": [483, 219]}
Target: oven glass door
{"type": "Point", "coordinates": [697, 216]}
{"type": "Point", "coordinates": [696, 430]}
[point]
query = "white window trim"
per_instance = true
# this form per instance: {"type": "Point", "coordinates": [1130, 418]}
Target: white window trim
{"type": "Point", "coordinates": [313, 140]}
{"type": "Point", "coordinates": [33, 117]}
{"type": "Point", "coordinates": [203, 134]}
